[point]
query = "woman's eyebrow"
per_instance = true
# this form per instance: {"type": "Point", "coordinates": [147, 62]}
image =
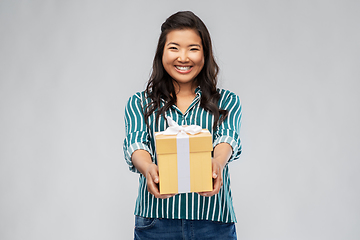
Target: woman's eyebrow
{"type": "Point", "coordinates": [173, 43]}
{"type": "Point", "coordinates": [195, 45]}
{"type": "Point", "coordinates": [191, 45]}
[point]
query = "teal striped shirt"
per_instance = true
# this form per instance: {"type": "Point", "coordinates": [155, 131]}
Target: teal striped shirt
{"type": "Point", "coordinates": [190, 206]}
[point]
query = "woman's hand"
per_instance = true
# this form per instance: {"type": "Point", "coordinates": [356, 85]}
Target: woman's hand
{"type": "Point", "coordinates": [217, 179]}
{"type": "Point", "coordinates": [142, 161]}
{"type": "Point", "coordinates": [222, 154]}
{"type": "Point", "coordinates": [152, 181]}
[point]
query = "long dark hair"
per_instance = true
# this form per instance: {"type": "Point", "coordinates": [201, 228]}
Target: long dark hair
{"type": "Point", "coordinates": [160, 85]}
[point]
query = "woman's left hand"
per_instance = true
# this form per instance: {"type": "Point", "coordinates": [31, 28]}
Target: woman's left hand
{"type": "Point", "coordinates": [217, 179]}
{"type": "Point", "coordinates": [222, 153]}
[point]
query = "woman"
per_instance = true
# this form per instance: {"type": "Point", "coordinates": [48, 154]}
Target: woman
{"type": "Point", "coordinates": [183, 86]}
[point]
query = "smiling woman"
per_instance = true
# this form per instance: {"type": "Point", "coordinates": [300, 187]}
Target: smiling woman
{"type": "Point", "coordinates": [183, 86]}
{"type": "Point", "coordinates": [161, 85]}
{"type": "Point", "coordinates": [183, 60]}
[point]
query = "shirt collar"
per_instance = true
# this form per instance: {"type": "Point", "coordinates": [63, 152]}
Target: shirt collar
{"type": "Point", "coordinates": [197, 92]}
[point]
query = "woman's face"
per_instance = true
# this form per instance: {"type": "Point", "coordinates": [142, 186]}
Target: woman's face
{"type": "Point", "coordinates": [183, 56]}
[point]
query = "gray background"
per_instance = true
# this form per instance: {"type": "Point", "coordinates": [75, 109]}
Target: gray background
{"type": "Point", "coordinates": [67, 69]}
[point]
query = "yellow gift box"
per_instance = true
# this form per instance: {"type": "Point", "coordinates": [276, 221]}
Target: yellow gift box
{"type": "Point", "coordinates": [184, 162]}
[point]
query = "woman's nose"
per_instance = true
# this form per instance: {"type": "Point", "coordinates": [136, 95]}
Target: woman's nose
{"type": "Point", "coordinates": [183, 57]}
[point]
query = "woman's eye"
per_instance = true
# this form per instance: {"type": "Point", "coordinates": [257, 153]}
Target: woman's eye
{"type": "Point", "coordinates": [174, 48]}
{"type": "Point", "coordinates": [194, 49]}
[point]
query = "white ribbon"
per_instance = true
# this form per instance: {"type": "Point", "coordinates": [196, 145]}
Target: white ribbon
{"type": "Point", "coordinates": [183, 162]}
{"type": "Point", "coordinates": [175, 129]}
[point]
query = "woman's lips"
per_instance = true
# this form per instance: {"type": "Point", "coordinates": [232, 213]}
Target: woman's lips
{"type": "Point", "coordinates": [183, 69]}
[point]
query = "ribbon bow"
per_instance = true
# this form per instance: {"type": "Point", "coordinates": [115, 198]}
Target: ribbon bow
{"type": "Point", "coordinates": [175, 129]}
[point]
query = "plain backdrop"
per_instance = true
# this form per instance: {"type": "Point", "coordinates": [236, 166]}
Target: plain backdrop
{"type": "Point", "coordinates": [67, 69]}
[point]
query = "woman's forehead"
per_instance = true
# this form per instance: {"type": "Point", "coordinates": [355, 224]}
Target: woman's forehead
{"type": "Point", "coordinates": [183, 36]}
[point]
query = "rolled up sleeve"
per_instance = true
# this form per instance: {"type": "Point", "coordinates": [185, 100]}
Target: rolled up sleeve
{"type": "Point", "coordinates": [137, 136]}
{"type": "Point", "coordinates": [229, 130]}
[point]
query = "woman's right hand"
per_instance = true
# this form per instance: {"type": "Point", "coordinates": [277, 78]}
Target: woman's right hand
{"type": "Point", "coordinates": [142, 161]}
{"type": "Point", "coordinates": [152, 181]}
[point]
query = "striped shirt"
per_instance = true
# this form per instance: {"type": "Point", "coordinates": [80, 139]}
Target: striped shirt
{"type": "Point", "coordinates": [190, 206]}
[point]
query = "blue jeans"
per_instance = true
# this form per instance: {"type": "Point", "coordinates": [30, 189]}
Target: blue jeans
{"type": "Point", "coordinates": [161, 229]}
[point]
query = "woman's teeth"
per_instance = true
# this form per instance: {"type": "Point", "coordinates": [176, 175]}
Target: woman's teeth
{"type": "Point", "coordinates": [183, 68]}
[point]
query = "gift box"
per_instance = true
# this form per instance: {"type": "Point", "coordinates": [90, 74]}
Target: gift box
{"type": "Point", "coordinates": [184, 161]}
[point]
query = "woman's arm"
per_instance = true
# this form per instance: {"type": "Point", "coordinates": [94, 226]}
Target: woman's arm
{"type": "Point", "coordinates": [228, 131]}
{"type": "Point", "coordinates": [227, 144]}
{"type": "Point", "coordinates": [137, 151]}
{"type": "Point", "coordinates": [136, 132]}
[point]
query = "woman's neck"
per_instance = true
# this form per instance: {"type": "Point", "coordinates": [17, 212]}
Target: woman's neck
{"type": "Point", "coordinates": [185, 89]}
{"type": "Point", "coordinates": [185, 94]}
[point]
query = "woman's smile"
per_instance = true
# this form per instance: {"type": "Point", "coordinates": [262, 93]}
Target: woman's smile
{"type": "Point", "coordinates": [183, 69]}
